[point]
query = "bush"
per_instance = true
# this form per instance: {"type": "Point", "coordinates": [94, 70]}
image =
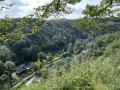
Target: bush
{"type": "Point", "coordinates": [44, 72]}
{"type": "Point", "coordinates": [112, 48]}
{"type": "Point", "coordinates": [29, 72]}
{"type": "Point", "coordinates": [65, 54]}
{"type": "Point", "coordinates": [41, 55]}
{"type": "Point", "coordinates": [76, 83]}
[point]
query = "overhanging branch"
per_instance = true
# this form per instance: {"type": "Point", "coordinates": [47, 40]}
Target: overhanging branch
{"type": "Point", "coordinates": [111, 2]}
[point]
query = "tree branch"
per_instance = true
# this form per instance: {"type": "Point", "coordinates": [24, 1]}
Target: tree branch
{"type": "Point", "coordinates": [57, 5]}
{"type": "Point", "coordinates": [104, 8]}
{"type": "Point", "coordinates": [46, 10]}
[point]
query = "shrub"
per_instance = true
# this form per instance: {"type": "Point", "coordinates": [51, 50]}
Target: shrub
{"type": "Point", "coordinates": [76, 83]}
{"type": "Point", "coordinates": [44, 72]}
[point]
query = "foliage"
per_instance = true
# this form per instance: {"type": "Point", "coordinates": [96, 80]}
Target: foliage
{"type": "Point", "coordinates": [1, 68]}
{"type": "Point", "coordinates": [106, 44]}
{"type": "Point", "coordinates": [78, 45]}
{"type": "Point", "coordinates": [112, 48]}
{"type": "Point", "coordinates": [41, 68]}
{"type": "Point", "coordinates": [36, 87]}
{"type": "Point", "coordinates": [88, 73]}
{"type": "Point", "coordinates": [55, 8]}
{"type": "Point", "coordinates": [92, 74]}
{"type": "Point", "coordinates": [22, 83]}
{"type": "Point", "coordinates": [29, 72]}
{"type": "Point", "coordinates": [16, 77]}
{"type": "Point", "coordinates": [38, 64]}
{"type": "Point", "coordinates": [80, 57]}
{"type": "Point", "coordinates": [5, 54]}
{"type": "Point", "coordinates": [65, 54]}
{"type": "Point", "coordinates": [80, 82]}
{"type": "Point", "coordinates": [55, 58]}
{"type": "Point", "coordinates": [96, 18]}
{"type": "Point", "coordinates": [9, 66]}
{"type": "Point", "coordinates": [85, 73]}
{"type": "Point", "coordinates": [41, 56]}
{"type": "Point", "coordinates": [50, 39]}
{"type": "Point", "coordinates": [3, 80]}
{"type": "Point", "coordinates": [70, 48]}
{"type": "Point", "coordinates": [100, 17]}
{"type": "Point", "coordinates": [44, 72]}
{"type": "Point", "coordinates": [30, 53]}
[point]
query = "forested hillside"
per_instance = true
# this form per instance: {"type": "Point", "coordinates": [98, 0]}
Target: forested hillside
{"type": "Point", "coordinates": [96, 69]}
{"type": "Point", "coordinates": [63, 58]}
{"type": "Point", "coordinates": [60, 45]}
{"type": "Point", "coordinates": [49, 41]}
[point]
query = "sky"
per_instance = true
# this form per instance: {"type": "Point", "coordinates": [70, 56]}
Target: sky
{"type": "Point", "coordinates": [25, 7]}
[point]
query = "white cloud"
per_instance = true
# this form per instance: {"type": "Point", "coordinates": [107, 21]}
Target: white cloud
{"type": "Point", "coordinates": [83, 3]}
{"type": "Point", "coordinates": [24, 7]}
{"type": "Point", "coordinates": [33, 4]}
{"type": "Point", "coordinates": [79, 7]}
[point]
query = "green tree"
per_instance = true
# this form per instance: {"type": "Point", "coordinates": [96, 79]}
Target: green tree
{"type": "Point", "coordinates": [5, 53]}
{"type": "Point", "coordinates": [96, 18]}
{"type": "Point", "coordinates": [30, 54]}
{"type": "Point", "coordinates": [78, 45]}
{"type": "Point", "coordinates": [55, 8]}
{"type": "Point", "coordinates": [41, 55]}
{"type": "Point", "coordinates": [3, 80]}
{"type": "Point", "coordinates": [70, 48]}
{"type": "Point", "coordinates": [38, 64]}
{"type": "Point", "coordinates": [9, 66]}
{"type": "Point", "coordinates": [1, 68]}
{"type": "Point", "coordinates": [99, 17]}
{"type": "Point", "coordinates": [41, 68]}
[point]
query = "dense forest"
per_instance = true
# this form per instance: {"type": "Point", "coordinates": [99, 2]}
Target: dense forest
{"type": "Point", "coordinates": [74, 49]}
{"type": "Point", "coordinates": [96, 69]}
{"type": "Point", "coordinates": [44, 51]}
{"type": "Point", "coordinates": [50, 41]}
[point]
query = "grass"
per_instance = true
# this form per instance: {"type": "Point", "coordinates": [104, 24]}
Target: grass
{"type": "Point", "coordinates": [14, 82]}
{"type": "Point", "coordinates": [35, 87]}
{"type": "Point", "coordinates": [29, 72]}
{"type": "Point", "coordinates": [16, 77]}
{"type": "Point", "coordinates": [55, 58]}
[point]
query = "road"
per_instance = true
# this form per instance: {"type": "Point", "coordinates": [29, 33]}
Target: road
{"type": "Point", "coordinates": [24, 79]}
{"type": "Point", "coordinates": [30, 81]}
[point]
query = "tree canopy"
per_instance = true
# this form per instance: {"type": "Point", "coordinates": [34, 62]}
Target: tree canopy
{"type": "Point", "coordinates": [95, 18]}
{"type": "Point", "coordinates": [100, 17]}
